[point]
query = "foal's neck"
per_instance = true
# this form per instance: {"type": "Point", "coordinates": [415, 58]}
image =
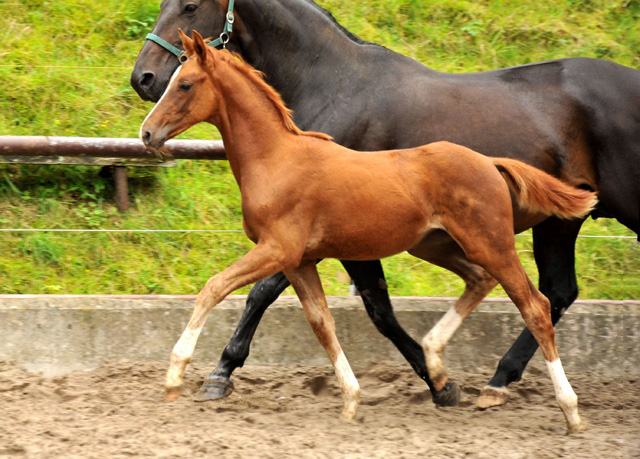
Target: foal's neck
{"type": "Point", "coordinates": [252, 126]}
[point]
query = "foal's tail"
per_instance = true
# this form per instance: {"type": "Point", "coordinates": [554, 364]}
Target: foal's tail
{"type": "Point", "coordinates": [540, 192]}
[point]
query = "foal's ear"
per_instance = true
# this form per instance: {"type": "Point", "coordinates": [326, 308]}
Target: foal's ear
{"type": "Point", "coordinates": [200, 47]}
{"type": "Point", "coordinates": [187, 43]}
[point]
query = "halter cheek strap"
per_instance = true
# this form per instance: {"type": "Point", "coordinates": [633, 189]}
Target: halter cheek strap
{"type": "Point", "coordinates": [165, 44]}
{"type": "Point", "coordinates": [223, 39]}
{"type": "Point", "coordinates": [225, 35]}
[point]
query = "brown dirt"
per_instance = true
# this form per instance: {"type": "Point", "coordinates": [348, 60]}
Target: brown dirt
{"type": "Point", "coordinates": [290, 412]}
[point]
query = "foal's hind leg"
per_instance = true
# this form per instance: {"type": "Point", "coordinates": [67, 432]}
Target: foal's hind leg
{"type": "Point", "coordinates": [554, 250]}
{"type": "Point", "coordinates": [440, 249]}
{"type": "Point", "coordinates": [306, 282]}
{"type": "Point", "coordinates": [535, 310]}
{"type": "Point", "coordinates": [495, 251]}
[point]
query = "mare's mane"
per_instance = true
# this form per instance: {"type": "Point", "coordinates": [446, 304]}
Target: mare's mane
{"type": "Point", "coordinates": [349, 34]}
{"type": "Point", "coordinates": [256, 77]}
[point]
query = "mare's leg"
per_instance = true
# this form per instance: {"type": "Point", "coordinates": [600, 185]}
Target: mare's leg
{"type": "Point", "coordinates": [370, 282]}
{"type": "Point", "coordinates": [494, 250]}
{"type": "Point", "coordinates": [306, 282]}
{"type": "Point", "coordinates": [554, 250]}
{"type": "Point", "coordinates": [260, 262]}
{"type": "Point", "coordinates": [440, 249]}
{"type": "Point", "coordinates": [218, 384]}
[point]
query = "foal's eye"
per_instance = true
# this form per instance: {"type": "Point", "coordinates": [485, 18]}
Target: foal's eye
{"type": "Point", "coordinates": [185, 87]}
{"type": "Point", "coordinates": [190, 8]}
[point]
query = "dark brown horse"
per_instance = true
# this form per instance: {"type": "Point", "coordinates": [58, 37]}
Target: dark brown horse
{"type": "Point", "coordinates": [412, 197]}
{"type": "Point", "coordinates": [578, 119]}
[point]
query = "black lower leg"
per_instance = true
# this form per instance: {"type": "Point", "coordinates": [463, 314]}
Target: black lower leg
{"type": "Point", "coordinates": [370, 282]}
{"type": "Point", "coordinates": [554, 250]}
{"type": "Point", "coordinates": [262, 295]}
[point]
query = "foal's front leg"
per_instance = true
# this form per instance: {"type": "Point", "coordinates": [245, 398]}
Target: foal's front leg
{"type": "Point", "coordinates": [260, 262]}
{"type": "Point", "coordinates": [306, 282]}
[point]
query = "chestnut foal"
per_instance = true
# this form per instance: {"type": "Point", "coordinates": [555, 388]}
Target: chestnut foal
{"type": "Point", "coordinates": [305, 197]}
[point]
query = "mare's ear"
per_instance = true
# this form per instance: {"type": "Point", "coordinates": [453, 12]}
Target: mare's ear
{"type": "Point", "coordinates": [187, 43]}
{"type": "Point", "coordinates": [200, 47]}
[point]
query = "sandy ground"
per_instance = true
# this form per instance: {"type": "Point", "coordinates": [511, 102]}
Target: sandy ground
{"type": "Point", "coordinates": [117, 410]}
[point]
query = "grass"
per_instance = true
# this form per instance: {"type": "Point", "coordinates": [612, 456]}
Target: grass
{"type": "Point", "coordinates": [65, 71]}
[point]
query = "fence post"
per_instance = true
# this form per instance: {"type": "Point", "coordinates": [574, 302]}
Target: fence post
{"type": "Point", "coordinates": [122, 188]}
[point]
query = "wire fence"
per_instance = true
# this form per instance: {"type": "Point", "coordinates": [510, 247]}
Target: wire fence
{"type": "Point", "coordinates": [70, 67]}
{"type": "Point", "coordinates": [79, 230]}
{"type": "Point", "coordinates": [222, 231]}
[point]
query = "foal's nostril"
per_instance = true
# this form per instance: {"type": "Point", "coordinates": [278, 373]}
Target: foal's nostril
{"type": "Point", "coordinates": [146, 137]}
{"type": "Point", "coordinates": [147, 79]}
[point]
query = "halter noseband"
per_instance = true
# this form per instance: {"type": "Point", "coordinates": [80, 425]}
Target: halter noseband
{"type": "Point", "coordinates": [222, 40]}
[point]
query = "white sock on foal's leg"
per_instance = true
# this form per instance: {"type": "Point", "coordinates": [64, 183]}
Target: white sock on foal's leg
{"type": "Point", "coordinates": [435, 342]}
{"type": "Point", "coordinates": [567, 398]}
{"type": "Point", "coordinates": [180, 357]}
{"type": "Point", "coordinates": [349, 385]}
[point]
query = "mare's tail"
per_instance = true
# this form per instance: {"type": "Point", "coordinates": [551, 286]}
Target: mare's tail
{"type": "Point", "coordinates": [540, 192]}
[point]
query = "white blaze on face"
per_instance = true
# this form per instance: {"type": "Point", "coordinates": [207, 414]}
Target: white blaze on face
{"type": "Point", "coordinates": [173, 77]}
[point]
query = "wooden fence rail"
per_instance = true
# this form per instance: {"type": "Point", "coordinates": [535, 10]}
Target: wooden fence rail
{"type": "Point", "coordinates": [102, 151]}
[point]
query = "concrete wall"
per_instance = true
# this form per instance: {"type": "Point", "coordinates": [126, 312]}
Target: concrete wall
{"type": "Point", "coordinates": [57, 333]}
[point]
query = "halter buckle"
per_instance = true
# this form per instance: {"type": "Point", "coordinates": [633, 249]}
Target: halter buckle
{"type": "Point", "coordinates": [225, 36]}
{"type": "Point", "coordinates": [224, 39]}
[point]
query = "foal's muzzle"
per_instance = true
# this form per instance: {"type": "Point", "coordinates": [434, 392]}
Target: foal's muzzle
{"type": "Point", "coordinates": [153, 142]}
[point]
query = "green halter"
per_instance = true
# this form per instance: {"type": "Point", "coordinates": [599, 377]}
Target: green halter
{"type": "Point", "coordinates": [222, 40]}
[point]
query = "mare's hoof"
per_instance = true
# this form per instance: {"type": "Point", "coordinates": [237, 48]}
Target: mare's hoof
{"type": "Point", "coordinates": [449, 395]}
{"type": "Point", "coordinates": [492, 396]}
{"type": "Point", "coordinates": [172, 394]}
{"type": "Point", "coordinates": [214, 389]}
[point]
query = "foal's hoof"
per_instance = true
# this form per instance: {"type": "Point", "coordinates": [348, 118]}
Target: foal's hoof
{"type": "Point", "coordinates": [492, 396]}
{"type": "Point", "coordinates": [349, 411]}
{"type": "Point", "coordinates": [172, 394]}
{"type": "Point", "coordinates": [449, 395]}
{"type": "Point", "coordinates": [214, 389]}
{"type": "Point", "coordinates": [581, 427]}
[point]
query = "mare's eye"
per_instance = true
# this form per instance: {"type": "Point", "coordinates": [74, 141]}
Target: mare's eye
{"type": "Point", "coordinates": [190, 8]}
{"type": "Point", "coordinates": [185, 87]}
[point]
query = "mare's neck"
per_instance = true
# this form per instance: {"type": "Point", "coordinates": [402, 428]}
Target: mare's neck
{"type": "Point", "coordinates": [305, 54]}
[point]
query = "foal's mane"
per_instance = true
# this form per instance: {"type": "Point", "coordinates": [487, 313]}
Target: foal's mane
{"type": "Point", "coordinates": [257, 77]}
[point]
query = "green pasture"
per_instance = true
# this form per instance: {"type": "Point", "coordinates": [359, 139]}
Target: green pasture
{"type": "Point", "coordinates": [64, 70]}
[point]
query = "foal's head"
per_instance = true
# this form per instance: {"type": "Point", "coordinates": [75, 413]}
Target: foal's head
{"type": "Point", "coordinates": [195, 94]}
{"type": "Point", "coordinates": [190, 98]}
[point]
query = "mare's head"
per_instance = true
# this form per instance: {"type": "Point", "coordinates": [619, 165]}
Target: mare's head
{"type": "Point", "coordinates": [190, 98]}
{"type": "Point", "coordinates": [155, 64]}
